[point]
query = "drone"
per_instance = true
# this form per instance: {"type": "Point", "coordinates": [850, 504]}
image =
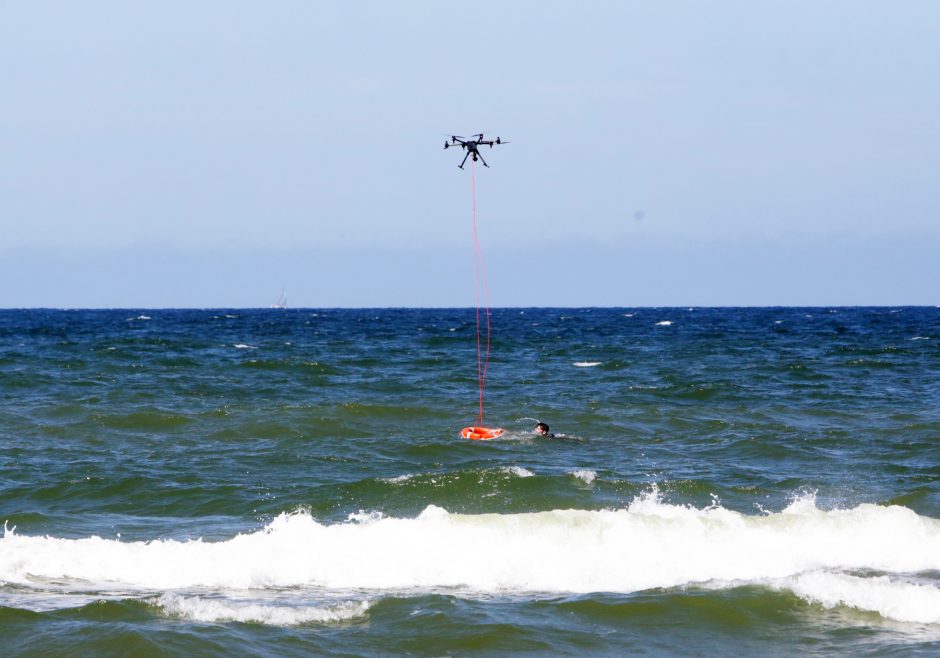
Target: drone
{"type": "Point", "coordinates": [471, 145]}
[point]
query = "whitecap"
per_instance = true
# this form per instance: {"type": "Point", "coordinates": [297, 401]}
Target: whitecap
{"type": "Point", "coordinates": [215, 610]}
{"type": "Point", "coordinates": [586, 475]}
{"type": "Point", "coordinates": [518, 471]}
{"type": "Point", "coordinates": [664, 323]}
{"type": "Point", "coordinates": [363, 517]}
{"type": "Point", "coordinates": [892, 598]}
{"type": "Point", "coordinates": [243, 346]}
{"type": "Point", "coordinates": [650, 544]}
{"type": "Point", "coordinates": [586, 364]}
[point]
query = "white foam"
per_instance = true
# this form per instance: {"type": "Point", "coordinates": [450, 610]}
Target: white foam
{"type": "Point", "coordinates": [518, 471]}
{"type": "Point", "coordinates": [889, 597]}
{"type": "Point", "coordinates": [399, 479]}
{"type": "Point", "coordinates": [363, 517]}
{"type": "Point", "coordinates": [46, 601]}
{"type": "Point", "coordinates": [243, 346]}
{"type": "Point", "coordinates": [215, 610]}
{"type": "Point", "coordinates": [586, 364]}
{"type": "Point", "coordinates": [664, 323]}
{"type": "Point", "coordinates": [650, 544]}
{"type": "Point", "coordinates": [584, 474]}
{"type": "Point", "coordinates": [921, 338]}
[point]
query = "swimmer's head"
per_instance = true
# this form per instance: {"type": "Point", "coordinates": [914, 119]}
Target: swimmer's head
{"type": "Point", "coordinates": [541, 428]}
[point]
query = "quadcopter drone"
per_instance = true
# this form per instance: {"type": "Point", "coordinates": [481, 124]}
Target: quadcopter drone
{"type": "Point", "coordinates": [471, 145]}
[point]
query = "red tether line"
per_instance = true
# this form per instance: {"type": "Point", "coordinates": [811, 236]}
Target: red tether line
{"type": "Point", "coordinates": [479, 271]}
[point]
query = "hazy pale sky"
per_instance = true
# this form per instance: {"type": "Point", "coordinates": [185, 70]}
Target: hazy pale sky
{"type": "Point", "coordinates": [662, 153]}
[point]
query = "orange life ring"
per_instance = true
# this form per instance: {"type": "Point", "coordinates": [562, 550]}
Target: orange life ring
{"type": "Point", "coordinates": [481, 433]}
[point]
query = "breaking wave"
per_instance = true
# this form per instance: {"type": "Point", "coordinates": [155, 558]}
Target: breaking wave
{"type": "Point", "coordinates": [214, 610]}
{"type": "Point", "coordinates": [816, 554]}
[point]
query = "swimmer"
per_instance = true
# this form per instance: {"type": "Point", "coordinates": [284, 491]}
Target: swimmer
{"type": "Point", "coordinates": [543, 430]}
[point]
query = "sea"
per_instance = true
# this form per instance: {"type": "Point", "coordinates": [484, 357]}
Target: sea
{"type": "Point", "coordinates": [292, 482]}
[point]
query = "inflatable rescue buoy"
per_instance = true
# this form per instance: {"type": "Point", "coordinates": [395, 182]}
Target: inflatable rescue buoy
{"type": "Point", "coordinates": [481, 433]}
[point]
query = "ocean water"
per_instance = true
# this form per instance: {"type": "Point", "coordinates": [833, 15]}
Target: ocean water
{"type": "Point", "coordinates": [291, 482]}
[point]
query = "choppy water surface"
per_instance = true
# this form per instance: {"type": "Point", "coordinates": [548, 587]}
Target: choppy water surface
{"type": "Point", "coordinates": [291, 482]}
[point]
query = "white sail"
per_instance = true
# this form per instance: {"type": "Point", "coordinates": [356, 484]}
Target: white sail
{"type": "Point", "coordinates": [281, 300]}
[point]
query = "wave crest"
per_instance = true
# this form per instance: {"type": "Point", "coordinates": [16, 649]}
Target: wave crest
{"type": "Point", "coordinates": [203, 609]}
{"type": "Point", "coordinates": [648, 545]}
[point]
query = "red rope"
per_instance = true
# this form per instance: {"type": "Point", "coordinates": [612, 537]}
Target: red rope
{"type": "Point", "coordinates": [479, 271]}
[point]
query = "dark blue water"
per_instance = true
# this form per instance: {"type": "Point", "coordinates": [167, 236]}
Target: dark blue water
{"type": "Point", "coordinates": [292, 482]}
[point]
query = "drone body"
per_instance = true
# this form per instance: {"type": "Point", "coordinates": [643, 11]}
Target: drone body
{"type": "Point", "coordinates": [472, 146]}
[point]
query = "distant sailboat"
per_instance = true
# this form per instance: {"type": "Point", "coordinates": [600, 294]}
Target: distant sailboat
{"type": "Point", "coordinates": [281, 301]}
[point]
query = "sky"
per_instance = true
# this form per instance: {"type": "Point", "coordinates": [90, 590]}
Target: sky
{"type": "Point", "coordinates": [675, 153]}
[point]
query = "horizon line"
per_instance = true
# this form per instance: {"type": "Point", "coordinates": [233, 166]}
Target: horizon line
{"type": "Point", "coordinates": [456, 308]}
